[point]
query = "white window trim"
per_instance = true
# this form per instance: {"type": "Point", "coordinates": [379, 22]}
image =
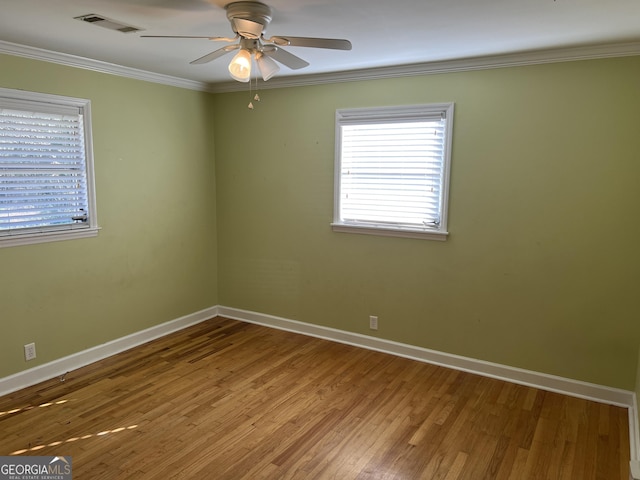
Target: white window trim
{"type": "Point", "coordinates": [386, 113]}
{"type": "Point", "coordinates": [69, 232]}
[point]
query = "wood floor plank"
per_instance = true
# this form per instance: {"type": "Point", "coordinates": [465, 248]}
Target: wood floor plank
{"type": "Point", "coordinates": [230, 400]}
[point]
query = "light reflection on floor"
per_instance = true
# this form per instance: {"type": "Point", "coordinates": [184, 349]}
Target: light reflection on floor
{"type": "Point", "coordinates": [74, 439]}
{"type": "Point", "coordinates": [31, 407]}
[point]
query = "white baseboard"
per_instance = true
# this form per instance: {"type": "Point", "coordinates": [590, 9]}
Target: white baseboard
{"type": "Point", "coordinates": [66, 364]}
{"type": "Point", "coordinates": [634, 440]}
{"type": "Point", "coordinates": [566, 386]}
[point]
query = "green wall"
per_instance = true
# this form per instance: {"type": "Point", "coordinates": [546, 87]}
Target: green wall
{"type": "Point", "coordinates": [542, 264]}
{"type": "Point", "coordinates": [540, 270]}
{"type": "Point", "coordinates": [155, 258]}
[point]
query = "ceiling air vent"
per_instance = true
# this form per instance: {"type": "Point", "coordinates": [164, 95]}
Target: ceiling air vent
{"type": "Point", "coordinates": [107, 23]}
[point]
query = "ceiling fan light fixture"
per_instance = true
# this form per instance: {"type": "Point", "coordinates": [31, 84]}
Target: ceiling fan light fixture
{"type": "Point", "coordinates": [240, 66]}
{"type": "Point", "coordinates": [267, 66]}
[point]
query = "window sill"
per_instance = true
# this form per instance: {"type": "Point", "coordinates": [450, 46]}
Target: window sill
{"type": "Point", "coordinates": [44, 237]}
{"type": "Point", "coordinates": [390, 232]}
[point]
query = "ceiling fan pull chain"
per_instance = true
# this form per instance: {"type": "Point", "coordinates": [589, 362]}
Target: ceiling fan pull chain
{"type": "Point", "coordinates": [256, 97]}
{"type": "Point", "coordinates": [250, 106]}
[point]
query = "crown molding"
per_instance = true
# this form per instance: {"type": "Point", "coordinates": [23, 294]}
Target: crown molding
{"type": "Point", "coordinates": [536, 57]}
{"type": "Point", "coordinates": [99, 66]}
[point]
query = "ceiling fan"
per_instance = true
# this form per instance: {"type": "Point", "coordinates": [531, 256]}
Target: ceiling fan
{"type": "Point", "coordinates": [249, 20]}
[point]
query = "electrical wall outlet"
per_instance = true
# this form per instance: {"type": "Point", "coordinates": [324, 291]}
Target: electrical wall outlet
{"type": "Point", "coordinates": [30, 351]}
{"type": "Point", "coordinates": [373, 322]}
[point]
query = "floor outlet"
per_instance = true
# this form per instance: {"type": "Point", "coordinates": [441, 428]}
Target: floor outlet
{"type": "Point", "coordinates": [373, 322]}
{"type": "Point", "coordinates": [30, 351]}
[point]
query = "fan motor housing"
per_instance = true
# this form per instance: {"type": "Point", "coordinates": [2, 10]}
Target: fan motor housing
{"type": "Point", "coordinates": [253, 11]}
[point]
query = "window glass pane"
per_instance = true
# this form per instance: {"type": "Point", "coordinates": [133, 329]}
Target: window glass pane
{"type": "Point", "coordinates": [43, 174]}
{"type": "Point", "coordinates": [391, 172]}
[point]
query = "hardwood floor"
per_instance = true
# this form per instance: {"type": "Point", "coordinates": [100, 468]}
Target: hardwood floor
{"type": "Point", "coordinates": [229, 400]}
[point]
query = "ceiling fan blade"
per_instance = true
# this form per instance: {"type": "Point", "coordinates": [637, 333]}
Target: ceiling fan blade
{"type": "Point", "coordinates": [218, 3]}
{"type": "Point", "coordinates": [247, 28]}
{"type": "Point", "coordinates": [333, 43]}
{"type": "Point", "coordinates": [185, 5]}
{"type": "Point", "coordinates": [284, 57]}
{"type": "Point", "coordinates": [215, 54]}
{"type": "Point", "coordinates": [215, 39]}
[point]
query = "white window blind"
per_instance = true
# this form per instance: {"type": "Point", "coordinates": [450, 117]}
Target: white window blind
{"type": "Point", "coordinates": [392, 167]}
{"type": "Point", "coordinates": [44, 182]}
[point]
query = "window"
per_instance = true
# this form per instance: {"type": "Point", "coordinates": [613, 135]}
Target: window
{"type": "Point", "coordinates": [392, 170]}
{"type": "Point", "coordinates": [46, 168]}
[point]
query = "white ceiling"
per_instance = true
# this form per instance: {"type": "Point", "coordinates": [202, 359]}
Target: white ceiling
{"type": "Point", "coordinates": [383, 32]}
